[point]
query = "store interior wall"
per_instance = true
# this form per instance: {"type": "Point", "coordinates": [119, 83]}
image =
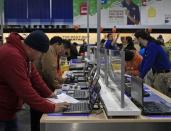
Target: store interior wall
{"type": "Point", "coordinates": [79, 37]}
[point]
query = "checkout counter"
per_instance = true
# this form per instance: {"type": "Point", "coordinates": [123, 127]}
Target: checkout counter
{"type": "Point", "coordinates": [111, 116]}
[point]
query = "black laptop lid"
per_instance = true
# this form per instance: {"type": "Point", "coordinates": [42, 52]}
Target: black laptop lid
{"type": "Point", "coordinates": [94, 92]}
{"type": "Point", "coordinates": [92, 73]}
{"type": "Point", "coordinates": [137, 90]}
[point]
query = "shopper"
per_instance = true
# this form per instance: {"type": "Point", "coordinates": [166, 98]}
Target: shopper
{"type": "Point", "coordinates": [19, 80]}
{"type": "Point", "coordinates": [160, 38]}
{"type": "Point", "coordinates": [156, 59]}
{"type": "Point", "coordinates": [49, 66]}
{"type": "Point", "coordinates": [133, 61]}
{"type": "Point", "coordinates": [133, 12]}
{"type": "Point", "coordinates": [130, 44]}
{"type": "Point", "coordinates": [56, 39]}
{"type": "Point", "coordinates": [83, 48]}
{"type": "Point", "coordinates": [110, 43]}
{"type": "Point", "coordinates": [73, 51]}
{"type": "Point", "coordinates": [166, 49]}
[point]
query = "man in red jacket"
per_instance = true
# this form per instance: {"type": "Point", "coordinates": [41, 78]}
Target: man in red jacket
{"type": "Point", "coordinates": [19, 80]}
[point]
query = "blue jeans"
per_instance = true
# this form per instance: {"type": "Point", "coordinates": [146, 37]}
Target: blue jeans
{"type": "Point", "coordinates": [8, 125]}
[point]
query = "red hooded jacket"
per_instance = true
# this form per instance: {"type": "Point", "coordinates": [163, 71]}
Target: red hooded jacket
{"type": "Point", "coordinates": [18, 83]}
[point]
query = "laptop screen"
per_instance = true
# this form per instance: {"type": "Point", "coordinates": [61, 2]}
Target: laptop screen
{"type": "Point", "coordinates": [91, 76]}
{"type": "Point", "coordinates": [137, 90]}
{"type": "Point", "coordinates": [94, 92]}
{"type": "Point", "coordinates": [92, 73]}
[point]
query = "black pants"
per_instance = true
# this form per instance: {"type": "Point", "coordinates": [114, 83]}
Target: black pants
{"type": "Point", "coordinates": [9, 125]}
{"type": "Point", "coordinates": [35, 119]}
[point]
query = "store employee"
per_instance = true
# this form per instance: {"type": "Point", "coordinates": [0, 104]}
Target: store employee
{"type": "Point", "coordinates": [155, 58]}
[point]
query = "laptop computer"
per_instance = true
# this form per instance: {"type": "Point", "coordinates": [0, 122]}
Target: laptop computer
{"type": "Point", "coordinates": [80, 85]}
{"type": "Point", "coordinates": [80, 73]}
{"type": "Point", "coordinates": [83, 84]}
{"type": "Point", "coordinates": [88, 67]}
{"type": "Point", "coordinates": [74, 78]}
{"type": "Point", "coordinates": [77, 66]}
{"type": "Point", "coordinates": [83, 94]}
{"type": "Point", "coordinates": [76, 61]}
{"type": "Point", "coordinates": [85, 72]}
{"type": "Point", "coordinates": [90, 78]}
{"type": "Point", "coordinates": [148, 107]}
{"type": "Point", "coordinates": [85, 107]}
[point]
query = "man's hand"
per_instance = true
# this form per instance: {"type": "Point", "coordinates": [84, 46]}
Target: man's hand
{"type": "Point", "coordinates": [60, 106]}
{"type": "Point", "coordinates": [53, 95]}
{"type": "Point", "coordinates": [57, 92]}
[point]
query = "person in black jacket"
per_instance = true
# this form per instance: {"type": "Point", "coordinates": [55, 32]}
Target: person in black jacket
{"type": "Point", "coordinates": [130, 44]}
{"type": "Point", "coordinates": [73, 51]}
{"type": "Point", "coordinates": [83, 47]}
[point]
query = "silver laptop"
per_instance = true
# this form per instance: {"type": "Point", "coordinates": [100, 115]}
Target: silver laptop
{"type": "Point", "coordinates": [85, 107]}
{"type": "Point", "coordinates": [149, 107]}
{"type": "Point", "coordinates": [80, 85]}
{"type": "Point", "coordinates": [83, 94]}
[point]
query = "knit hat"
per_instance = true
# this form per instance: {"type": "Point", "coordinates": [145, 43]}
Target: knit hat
{"type": "Point", "coordinates": [38, 40]}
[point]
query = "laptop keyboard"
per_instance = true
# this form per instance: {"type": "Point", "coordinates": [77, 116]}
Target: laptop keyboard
{"type": "Point", "coordinates": [156, 108]}
{"type": "Point", "coordinates": [78, 108]}
{"type": "Point", "coordinates": [79, 74]}
{"type": "Point", "coordinates": [82, 83]}
{"type": "Point", "coordinates": [80, 94]}
{"type": "Point", "coordinates": [81, 79]}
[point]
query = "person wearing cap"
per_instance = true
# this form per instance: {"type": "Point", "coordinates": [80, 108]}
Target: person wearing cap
{"type": "Point", "coordinates": [19, 80]}
{"type": "Point", "coordinates": [49, 68]}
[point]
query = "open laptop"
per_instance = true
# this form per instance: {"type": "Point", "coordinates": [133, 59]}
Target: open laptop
{"type": "Point", "coordinates": [85, 106]}
{"type": "Point", "coordinates": [83, 94]}
{"type": "Point", "coordinates": [78, 76]}
{"type": "Point", "coordinates": [81, 85]}
{"type": "Point", "coordinates": [148, 107]}
{"type": "Point", "coordinates": [77, 66]}
{"type": "Point", "coordinates": [90, 78]}
{"type": "Point", "coordinates": [81, 73]}
{"type": "Point", "coordinates": [76, 61]}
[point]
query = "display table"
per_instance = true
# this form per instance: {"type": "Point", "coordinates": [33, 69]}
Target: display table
{"type": "Point", "coordinates": [98, 121]}
{"type": "Point", "coordinates": [101, 123]}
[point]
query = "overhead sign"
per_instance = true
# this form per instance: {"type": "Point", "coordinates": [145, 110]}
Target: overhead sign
{"type": "Point", "coordinates": [83, 9]}
{"type": "Point", "coordinates": [125, 13]}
